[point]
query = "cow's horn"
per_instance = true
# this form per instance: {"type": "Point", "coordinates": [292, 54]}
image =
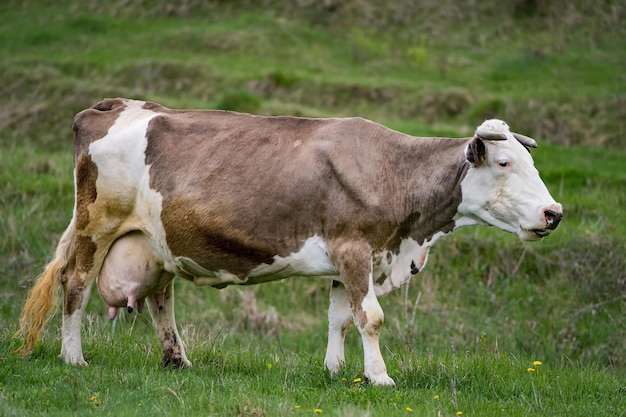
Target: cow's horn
{"type": "Point", "coordinates": [525, 140]}
{"type": "Point", "coordinates": [488, 135]}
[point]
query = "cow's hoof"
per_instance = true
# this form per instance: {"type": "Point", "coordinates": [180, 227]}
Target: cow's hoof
{"type": "Point", "coordinates": [381, 381]}
{"type": "Point", "coordinates": [79, 361]}
{"type": "Point", "coordinates": [333, 365]}
{"type": "Point", "coordinates": [175, 362]}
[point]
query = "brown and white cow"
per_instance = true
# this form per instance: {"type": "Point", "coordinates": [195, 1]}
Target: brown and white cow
{"type": "Point", "coordinates": [225, 198]}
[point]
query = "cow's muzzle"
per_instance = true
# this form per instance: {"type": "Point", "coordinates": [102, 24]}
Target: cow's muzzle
{"type": "Point", "coordinates": [553, 218]}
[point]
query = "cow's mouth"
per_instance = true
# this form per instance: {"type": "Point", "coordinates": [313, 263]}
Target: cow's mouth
{"type": "Point", "coordinates": [534, 234]}
{"type": "Point", "coordinates": [541, 232]}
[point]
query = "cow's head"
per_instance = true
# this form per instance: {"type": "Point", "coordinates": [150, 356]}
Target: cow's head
{"type": "Point", "coordinates": [502, 187]}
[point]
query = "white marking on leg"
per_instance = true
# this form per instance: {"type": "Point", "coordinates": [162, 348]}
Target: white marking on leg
{"type": "Point", "coordinates": [71, 345]}
{"type": "Point", "coordinates": [375, 369]}
{"type": "Point", "coordinates": [339, 321]}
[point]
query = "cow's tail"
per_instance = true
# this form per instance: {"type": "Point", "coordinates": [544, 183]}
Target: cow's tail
{"type": "Point", "coordinates": [42, 297]}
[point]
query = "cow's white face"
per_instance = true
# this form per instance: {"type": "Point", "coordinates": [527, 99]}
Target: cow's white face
{"type": "Point", "coordinates": [502, 188]}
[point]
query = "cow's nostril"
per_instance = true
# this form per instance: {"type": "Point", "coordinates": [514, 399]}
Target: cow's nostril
{"type": "Point", "coordinates": [552, 218]}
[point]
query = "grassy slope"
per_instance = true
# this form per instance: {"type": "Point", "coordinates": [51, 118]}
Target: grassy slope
{"type": "Point", "coordinates": [499, 302]}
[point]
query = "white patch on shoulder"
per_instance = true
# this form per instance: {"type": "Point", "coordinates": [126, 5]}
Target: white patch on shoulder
{"type": "Point", "coordinates": [310, 261]}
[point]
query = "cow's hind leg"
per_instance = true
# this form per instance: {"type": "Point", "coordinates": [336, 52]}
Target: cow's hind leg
{"type": "Point", "coordinates": [162, 312]}
{"type": "Point", "coordinates": [339, 321]}
{"type": "Point", "coordinates": [76, 291]}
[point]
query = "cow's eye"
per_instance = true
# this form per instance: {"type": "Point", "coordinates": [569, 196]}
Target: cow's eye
{"type": "Point", "coordinates": [503, 164]}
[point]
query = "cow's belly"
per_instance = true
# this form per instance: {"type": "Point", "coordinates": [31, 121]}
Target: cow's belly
{"type": "Point", "coordinates": [390, 270]}
{"type": "Point", "coordinates": [310, 261]}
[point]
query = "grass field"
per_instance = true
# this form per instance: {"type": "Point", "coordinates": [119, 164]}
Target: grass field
{"type": "Point", "coordinates": [464, 335]}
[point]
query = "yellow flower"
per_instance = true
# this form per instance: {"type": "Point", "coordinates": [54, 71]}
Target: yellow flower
{"type": "Point", "coordinates": [139, 405]}
{"type": "Point", "coordinates": [269, 366]}
{"type": "Point", "coordinates": [459, 413]}
{"type": "Point", "coordinates": [318, 411]}
{"type": "Point", "coordinates": [436, 397]}
{"type": "Point", "coordinates": [92, 398]}
{"type": "Point", "coordinates": [357, 380]}
{"type": "Point", "coordinates": [531, 369]}
{"type": "Point", "coordinates": [344, 379]}
{"type": "Point", "coordinates": [409, 409]}
{"type": "Point", "coordinates": [297, 406]}
{"type": "Point", "coordinates": [537, 363]}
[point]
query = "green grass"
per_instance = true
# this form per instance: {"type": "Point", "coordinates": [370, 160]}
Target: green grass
{"type": "Point", "coordinates": [486, 307]}
{"type": "Point", "coordinates": [234, 379]}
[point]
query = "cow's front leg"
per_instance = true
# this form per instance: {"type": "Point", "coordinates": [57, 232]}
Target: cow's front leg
{"type": "Point", "coordinates": [353, 261]}
{"type": "Point", "coordinates": [369, 318]}
{"type": "Point", "coordinates": [339, 321]}
{"type": "Point", "coordinates": [76, 291]}
{"type": "Point", "coordinates": [161, 308]}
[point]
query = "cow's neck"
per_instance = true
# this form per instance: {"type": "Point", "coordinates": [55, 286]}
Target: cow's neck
{"type": "Point", "coordinates": [432, 189]}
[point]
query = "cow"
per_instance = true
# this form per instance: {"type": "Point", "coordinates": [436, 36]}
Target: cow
{"type": "Point", "coordinates": [224, 198]}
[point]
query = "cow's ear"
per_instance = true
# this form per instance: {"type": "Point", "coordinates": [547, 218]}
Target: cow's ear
{"type": "Point", "coordinates": [476, 152]}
